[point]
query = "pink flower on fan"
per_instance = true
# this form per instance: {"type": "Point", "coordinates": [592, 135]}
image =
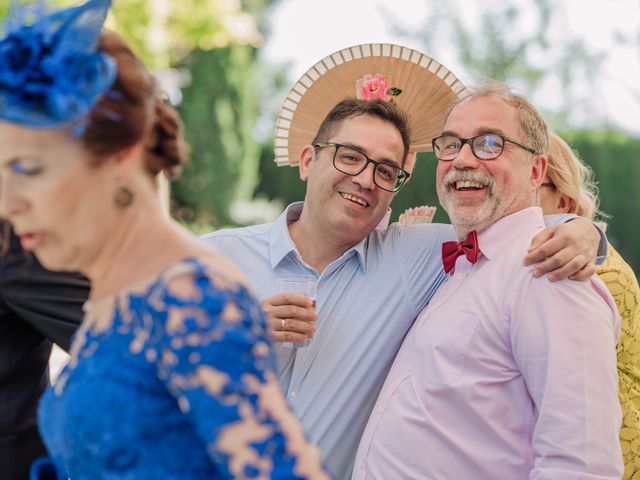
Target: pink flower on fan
{"type": "Point", "coordinates": [371, 87]}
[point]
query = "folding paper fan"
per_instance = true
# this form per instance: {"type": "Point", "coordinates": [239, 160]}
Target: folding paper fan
{"type": "Point", "coordinates": [427, 90]}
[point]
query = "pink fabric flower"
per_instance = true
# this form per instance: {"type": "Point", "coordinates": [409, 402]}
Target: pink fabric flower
{"type": "Point", "coordinates": [371, 87]}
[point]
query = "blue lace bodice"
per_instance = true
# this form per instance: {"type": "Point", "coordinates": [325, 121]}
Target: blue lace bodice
{"type": "Point", "coordinates": [174, 380]}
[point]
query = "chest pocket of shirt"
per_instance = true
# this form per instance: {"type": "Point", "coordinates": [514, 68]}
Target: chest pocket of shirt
{"type": "Point", "coordinates": [440, 347]}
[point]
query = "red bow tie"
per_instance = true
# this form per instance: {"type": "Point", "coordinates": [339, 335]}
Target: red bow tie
{"type": "Point", "coordinates": [452, 250]}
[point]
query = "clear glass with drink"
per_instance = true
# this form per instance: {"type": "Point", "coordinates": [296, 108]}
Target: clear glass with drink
{"type": "Point", "coordinates": [299, 284]}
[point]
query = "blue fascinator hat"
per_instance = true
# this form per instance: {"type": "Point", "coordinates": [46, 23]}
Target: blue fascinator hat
{"type": "Point", "coordinates": [51, 74]}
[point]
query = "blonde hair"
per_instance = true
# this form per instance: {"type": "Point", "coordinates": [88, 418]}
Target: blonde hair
{"type": "Point", "coordinates": [573, 179]}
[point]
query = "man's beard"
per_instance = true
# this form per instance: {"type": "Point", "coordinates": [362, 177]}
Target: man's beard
{"type": "Point", "coordinates": [474, 214]}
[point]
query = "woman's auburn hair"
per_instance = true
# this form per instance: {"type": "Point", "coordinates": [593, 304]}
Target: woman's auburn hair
{"type": "Point", "coordinates": [133, 111]}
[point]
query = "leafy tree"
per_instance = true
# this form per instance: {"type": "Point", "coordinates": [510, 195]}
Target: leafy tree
{"type": "Point", "coordinates": [164, 32]}
{"type": "Point", "coordinates": [615, 159]}
{"type": "Point", "coordinates": [219, 109]}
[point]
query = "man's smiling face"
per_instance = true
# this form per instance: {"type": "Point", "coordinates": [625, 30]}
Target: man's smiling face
{"type": "Point", "coordinates": [347, 206]}
{"type": "Point", "coordinates": [477, 193]}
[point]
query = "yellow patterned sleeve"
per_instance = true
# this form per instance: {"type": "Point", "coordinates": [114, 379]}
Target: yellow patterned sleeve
{"type": "Point", "coordinates": [623, 285]}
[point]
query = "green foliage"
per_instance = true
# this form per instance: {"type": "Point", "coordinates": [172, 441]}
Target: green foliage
{"type": "Point", "coordinates": [281, 183]}
{"type": "Point", "coordinates": [219, 111]}
{"type": "Point", "coordinates": [131, 19]}
{"type": "Point", "coordinates": [615, 159]}
{"type": "Point", "coordinates": [164, 32]}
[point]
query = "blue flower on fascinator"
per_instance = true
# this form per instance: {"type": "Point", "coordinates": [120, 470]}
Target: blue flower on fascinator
{"type": "Point", "coordinates": [50, 71]}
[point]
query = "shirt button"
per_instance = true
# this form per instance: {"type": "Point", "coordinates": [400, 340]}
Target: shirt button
{"type": "Point", "coordinates": [459, 276]}
{"type": "Point", "coordinates": [293, 394]}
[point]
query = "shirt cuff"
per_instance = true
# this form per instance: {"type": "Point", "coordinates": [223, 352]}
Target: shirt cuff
{"type": "Point", "coordinates": [559, 218]}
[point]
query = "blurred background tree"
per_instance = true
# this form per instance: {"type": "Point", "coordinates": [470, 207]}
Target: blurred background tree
{"type": "Point", "coordinates": [219, 110]}
{"type": "Point", "coordinates": [206, 53]}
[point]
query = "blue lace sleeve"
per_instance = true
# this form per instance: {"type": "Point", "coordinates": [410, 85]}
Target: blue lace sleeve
{"type": "Point", "coordinates": [212, 348]}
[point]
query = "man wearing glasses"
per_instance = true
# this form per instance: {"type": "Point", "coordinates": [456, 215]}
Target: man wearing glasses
{"type": "Point", "coordinates": [370, 285]}
{"type": "Point", "coordinates": [503, 375]}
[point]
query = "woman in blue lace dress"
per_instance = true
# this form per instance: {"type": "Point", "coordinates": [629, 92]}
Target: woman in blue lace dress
{"type": "Point", "coordinates": [172, 373]}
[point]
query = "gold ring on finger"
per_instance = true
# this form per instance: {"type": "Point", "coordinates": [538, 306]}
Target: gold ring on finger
{"type": "Point", "coordinates": [282, 325]}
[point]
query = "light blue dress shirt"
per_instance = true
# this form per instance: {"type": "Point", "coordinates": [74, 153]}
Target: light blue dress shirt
{"type": "Point", "coordinates": [367, 300]}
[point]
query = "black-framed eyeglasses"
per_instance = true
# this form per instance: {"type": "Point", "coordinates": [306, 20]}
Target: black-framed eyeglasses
{"type": "Point", "coordinates": [487, 146]}
{"type": "Point", "coordinates": [352, 161]}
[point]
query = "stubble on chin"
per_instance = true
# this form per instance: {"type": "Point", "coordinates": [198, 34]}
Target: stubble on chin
{"type": "Point", "coordinates": [468, 215]}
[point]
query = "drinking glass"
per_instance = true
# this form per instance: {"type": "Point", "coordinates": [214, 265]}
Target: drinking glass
{"type": "Point", "coordinates": [303, 284]}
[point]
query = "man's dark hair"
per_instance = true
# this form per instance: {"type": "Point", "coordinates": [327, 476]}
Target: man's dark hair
{"type": "Point", "coordinates": [351, 108]}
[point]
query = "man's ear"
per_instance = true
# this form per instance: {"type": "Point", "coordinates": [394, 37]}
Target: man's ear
{"type": "Point", "coordinates": [307, 156]}
{"type": "Point", "coordinates": [538, 171]}
{"type": "Point", "coordinates": [410, 162]}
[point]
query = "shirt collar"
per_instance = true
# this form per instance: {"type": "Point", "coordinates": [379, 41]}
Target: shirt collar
{"type": "Point", "coordinates": [281, 244]}
{"type": "Point", "coordinates": [359, 249]}
{"type": "Point", "coordinates": [498, 236]}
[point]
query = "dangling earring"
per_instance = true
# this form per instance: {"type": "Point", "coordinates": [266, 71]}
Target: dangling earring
{"type": "Point", "coordinates": [123, 197]}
